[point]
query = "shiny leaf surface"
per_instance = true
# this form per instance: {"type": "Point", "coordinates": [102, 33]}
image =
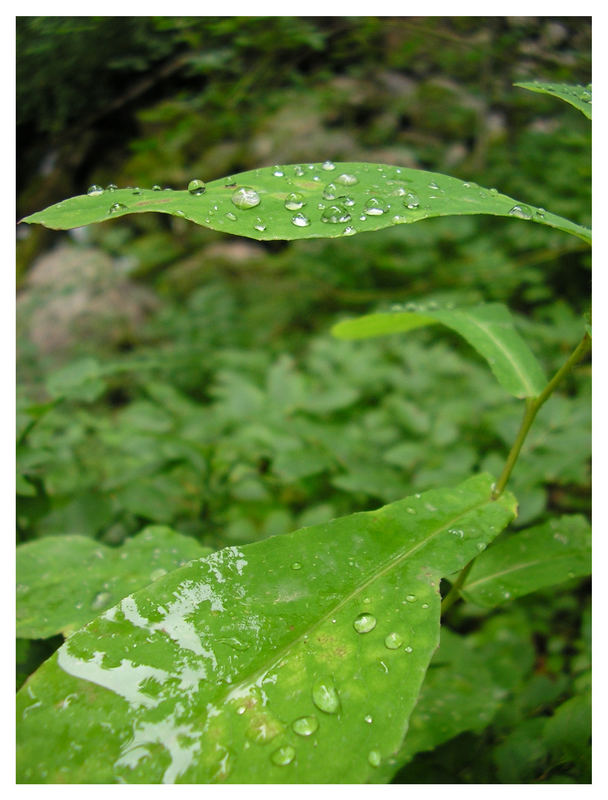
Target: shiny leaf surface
{"type": "Point", "coordinates": [261, 664]}
{"type": "Point", "coordinates": [577, 96]}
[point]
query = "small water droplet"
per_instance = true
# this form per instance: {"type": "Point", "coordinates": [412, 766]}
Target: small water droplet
{"type": "Point", "coordinates": [411, 598]}
{"type": "Point", "coordinates": [241, 710]}
{"type": "Point", "coordinates": [521, 211]}
{"type": "Point", "coordinates": [94, 190]}
{"type": "Point", "coordinates": [466, 185]}
{"type": "Point", "coordinates": [245, 198]}
{"type": "Point", "coordinates": [231, 216]}
{"type": "Point", "coordinates": [301, 221]}
{"type": "Point", "coordinates": [137, 190]}
{"type": "Point", "coordinates": [493, 190]}
{"type": "Point", "coordinates": [349, 230]}
{"type": "Point", "coordinates": [540, 213]}
{"type": "Point", "coordinates": [347, 201]}
{"type": "Point", "coordinates": [335, 214]}
{"type": "Point", "coordinates": [179, 213]}
{"type": "Point", "coordinates": [408, 649]}
{"type": "Point", "coordinates": [374, 207]}
{"type": "Point", "coordinates": [115, 207]}
{"type": "Point", "coordinates": [325, 696]}
{"type": "Point", "coordinates": [157, 188]}
{"type": "Point", "coordinates": [368, 718]}
{"type": "Point", "coordinates": [456, 532]}
{"type": "Point", "coordinates": [481, 546]}
{"type": "Point", "coordinates": [328, 165]}
{"type": "Point", "coordinates": [305, 726]}
{"type": "Point", "coordinates": [296, 565]}
{"type": "Point", "coordinates": [425, 605]}
{"type": "Point", "coordinates": [278, 172]}
{"type": "Point", "coordinates": [100, 601]}
{"type": "Point", "coordinates": [362, 217]}
{"type": "Point", "coordinates": [393, 641]}
{"type": "Point", "coordinates": [294, 201]}
{"type": "Point", "coordinates": [111, 187]}
{"type": "Point", "coordinates": [433, 185]}
{"type": "Point", "coordinates": [374, 758]}
{"type": "Point", "coordinates": [196, 186]}
{"type": "Point", "coordinates": [364, 623]}
{"type": "Point", "coordinates": [298, 170]}
{"type": "Point", "coordinates": [259, 225]}
{"type": "Point", "coordinates": [411, 200]}
{"type": "Point", "coordinates": [330, 191]}
{"type": "Point", "coordinates": [347, 180]}
{"type": "Point", "coordinates": [283, 756]}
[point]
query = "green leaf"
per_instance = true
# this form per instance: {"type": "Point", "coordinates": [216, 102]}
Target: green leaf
{"type": "Point", "coordinates": [351, 197]}
{"type": "Point", "coordinates": [260, 664]}
{"type": "Point", "coordinates": [489, 328]}
{"type": "Point", "coordinates": [568, 732]}
{"type": "Point", "coordinates": [577, 96]}
{"type": "Point", "coordinates": [63, 582]}
{"type": "Point", "coordinates": [79, 380]}
{"type": "Point", "coordinates": [533, 559]}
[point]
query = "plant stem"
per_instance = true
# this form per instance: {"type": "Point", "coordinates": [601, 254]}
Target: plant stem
{"type": "Point", "coordinates": [533, 405]}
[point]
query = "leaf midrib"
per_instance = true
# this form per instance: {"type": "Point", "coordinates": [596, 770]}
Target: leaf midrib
{"type": "Point", "coordinates": [520, 566]}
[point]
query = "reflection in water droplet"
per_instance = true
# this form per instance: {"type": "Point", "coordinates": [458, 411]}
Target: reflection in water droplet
{"type": "Point", "coordinates": [374, 207]}
{"type": "Point", "coordinates": [231, 216]}
{"type": "Point", "coordinates": [433, 185]}
{"type": "Point", "coordinates": [294, 201]}
{"type": "Point", "coordinates": [283, 756]}
{"type": "Point", "coordinates": [347, 180]}
{"type": "Point", "coordinates": [299, 171]}
{"type": "Point", "coordinates": [522, 212]}
{"type": "Point", "coordinates": [325, 696]}
{"type": "Point", "coordinates": [335, 214]}
{"type": "Point", "coordinates": [411, 200]}
{"type": "Point", "coordinates": [374, 758]}
{"type": "Point", "coordinates": [101, 600]}
{"type": "Point", "coordinates": [94, 190]}
{"type": "Point", "coordinates": [393, 641]}
{"type": "Point", "coordinates": [369, 719]}
{"type": "Point", "coordinates": [111, 187]}
{"type": "Point", "coordinates": [328, 165]}
{"type": "Point", "coordinates": [300, 221]}
{"type": "Point", "coordinates": [411, 598]}
{"type": "Point", "coordinates": [330, 192]}
{"type": "Point", "coordinates": [278, 172]}
{"type": "Point", "coordinates": [296, 565]}
{"type": "Point", "coordinates": [364, 623]}
{"type": "Point", "coordinates": [115, 207]}
{"type": "Point", "coordinates": [425, 605]}
{"type": "Point", "coordinates": [540, 212]}
{"type": "Point", "coordinates": [349, 230]}
{"type": "Point", "coordinates": [305, 726]}
{"type": "Point", "coordinates": [408, 649]}
{"type": "Point", "coordinates": [245, 198]}
{"type": "Point", "coordinates": [196, 186]}
{"type": "Point", "coordinates": [259, 225]}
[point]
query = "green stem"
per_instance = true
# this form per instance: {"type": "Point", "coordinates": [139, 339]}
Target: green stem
{"type": "Point", "coordinates": [533, 405]}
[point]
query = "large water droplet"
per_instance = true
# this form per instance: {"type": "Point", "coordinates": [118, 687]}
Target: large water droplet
{"type": "Point", "coordinates": [283, 756]}
{"type": "Point", "coordinates": [521, 211]}
{"type": "Point", "coordinates": [374, 207]}
{"type": "Point", "coordinates": [328, 165]}
{"type": "Point", "coordinates": [374, 758]}
{"type": "Point", "coordinates": [393, 641]}
{"type": "Point", "coordinates": [334, 214]}
{"type": "Point", "coordinates": [347, 180]}
{"type": "Point", "coordinates": [196, 186]}
{"type": "Point", "coordinates": [100, 600]}
{"type": "Point", "coordinates": [364, 623]}
{"type": "Point", "coordinates": [305, 726]}
{"type": "Point", "coordinates": [94, 190]}
{"type": "Point", "coordinates": [300, 220]}
{"type": "Point", "coordinates": [245, 198]}
{"type": "Point", "coordinates": [294, 201]}
{"type": "Point", "coordinates": [325, 696]}
{"type": "Point", "coordinates": [115, 207]}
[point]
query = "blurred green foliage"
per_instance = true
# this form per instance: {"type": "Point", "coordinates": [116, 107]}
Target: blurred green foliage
{"type": "Point", "coordinates": [171, 375]}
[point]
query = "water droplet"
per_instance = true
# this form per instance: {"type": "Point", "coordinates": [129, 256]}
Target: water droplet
{"type": "Point", "coordinates": [522, 211]}
{"type": "Point", "coordinates": [179, 213]}
{"type": "Point", "coordinates": [305, 726]}
{"type": "Point", "coordinates": [374, 207]}
{"type": "Point", "coordinates": [398, 219]}
{"type": "Point", "coordinates": [245, 198]}
{"type": "Point", "coordinates": [300, 220]}
{"type": "Point", "coordinates": [393, 641]}
{"type": "Point", "coordinates": [493, 190]}
{"type": "Point", "coordinates": [433, 185]}
{"type": "Point", "coordinates": [330, 191]}
{"type": "Point", "coordinates": [362, 217]}
{"type": "Point", "coordinates": [347, 180]}
{"type": "Point", "coordinates": [481, 546]}
{"type": "Point", "coordinates": [111, 187]}
{"type": "Point", "coordinates": [408, 649]}
{"type": "Point", "coordinates": [156, 188]}
{"type": "Point", "coordinates": [411, 598]}
{"type": "Point", "coordinates": [94, 190]}
{"type": "Point", "coordinates": [231, 216]}
{"type": "Point", "coordinates": [466, 185]}
{"type": "Point", "coordinates": [456, 532]}
{"type": "Point", "coordinates": [374, 758]}
{"type": "Point", "coordinates": [241, 710]}
{"type": "Point", "coordinates": [540, 213]}
{"type": "Point", "coordinates": [298, 170]}
{"type": "Point", "coordinates": [115, 207]}
{"type": "Point", "coordinates": [328, 165]}
{"type": "Point", "coordinates": [425, 605]}
{"type": "Point", "coordinates": [137, 190]}
{"type": "Point", "coordinates": [347, 201]}
{"type": "Point", "coordinates": [369, 719]}
{"type": "Point", "coordinates": [364, 623]}
{"type": "Point", "coordinates": [296, 565]}
{"type": "Point", "coordinates": [283, 756]}
{"type": "Point", "coordinates": [278, 172]}
{"type": "Point", "coordinates": [335, 214]}
{"type": "Point", "coordinates": [196, 186]}
{"type": "Point", "coordinates": [325, 696]}
{"type": "Point", "coordinates": [294, 201]}
{"type": "Point", "coordinates": [100, 601]}
{"type": "Point", "coordinates": [411, 200]}
{"type": "Point", "coordinates": [259, 225]}
{"type": "Point", "coordinates": [349, 230]}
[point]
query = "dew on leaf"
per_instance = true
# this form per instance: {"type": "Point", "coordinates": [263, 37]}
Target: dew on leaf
{"type": "Point", "coordinates": [328, 165]}
{"type": "Point", "coordinates": [115, 207]}
{"type": "Point", "coordinates": [196, 186]}
{"type": "Point", "coordinates": [374, 207]}
{"type": "Point", "coordinates": [298, 170]}
{"type": "Point", "coordinates": [294, 201]}
{"type": "Point", "coordinates": [408, 649]}
{"type": "Point", "coordinates": [349, 230]}
{"type": "Point", "coordinates": [369, 719]}
{"type": "Point", "coordinates": [411, 200]}
{"type": "Point", "coordinates": [335, 214]}
{"type": "Point", "coordinates": [347, 179]}
{"type": "Point", "coordinates": [374, 758]}
{"type": "Point", "coordinates": [231, 216]}
{"type": "Point", "coordinates": [296, 565]}
{"type": "Point", "coordinates": [325, 696]}
{"type": "Point", "coordinates": [245, 198]}
{"type": "Point", "coordinates": [300, 220]}
{"type": "Point", "coordinates": [283, 756]}
{"type": "Point", "coordinates": [157, 188]}
{"type": "Point", "coordinates": [305, 726]}
{"type": "Point", "coordinates": [433, 185]}
{"type": "Point", "coordinates": [522, 212]}
{"type": "Point", "coordinates": [278, 172]}
{"type": "Point", "coordinates": [393, 641]}
{"type": "Point", "coordinates": [137, 190]}
{"type": "Point", "coordinates": [111, 187]}
{"type": "Point", "coordinates": [411, 598]}
{"type": "Point", "coordinates": [259, 225]}
{"type": "Point", "coordinates": [364, 623]}
{"type": "Point", "coordinates": [94, 190]}
{"type": "Point", "coordinates": [330, 191]}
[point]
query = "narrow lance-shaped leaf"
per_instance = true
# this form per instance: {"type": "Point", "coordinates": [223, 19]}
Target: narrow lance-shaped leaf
{"type": "Point", "coordinates": [297, 659]}
{"type": "Point", "coordinates": [304, 201]}
{"type": "Point", "coordinates": [489, 328]}
{"type": "Point", "coordinates": [63, 582]}
{"type": "Point", "coordinates": [577, 96]}
{"type": "Point", "coordinates": [533, 559]}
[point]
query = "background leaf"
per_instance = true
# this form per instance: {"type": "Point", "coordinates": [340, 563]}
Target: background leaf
{"type": "Point", "coordinates": [256, 664]}
{"type": "Point", "coordinates": [63, 582]}
{"type": "Point", "coordinates": [532, 559]}
{"type": "Point", "coordinates": [488, 328]}
{"type": "Point", "coordinates": [577, 96]}
{"type": "Point", "coordinates": [305, 201]}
